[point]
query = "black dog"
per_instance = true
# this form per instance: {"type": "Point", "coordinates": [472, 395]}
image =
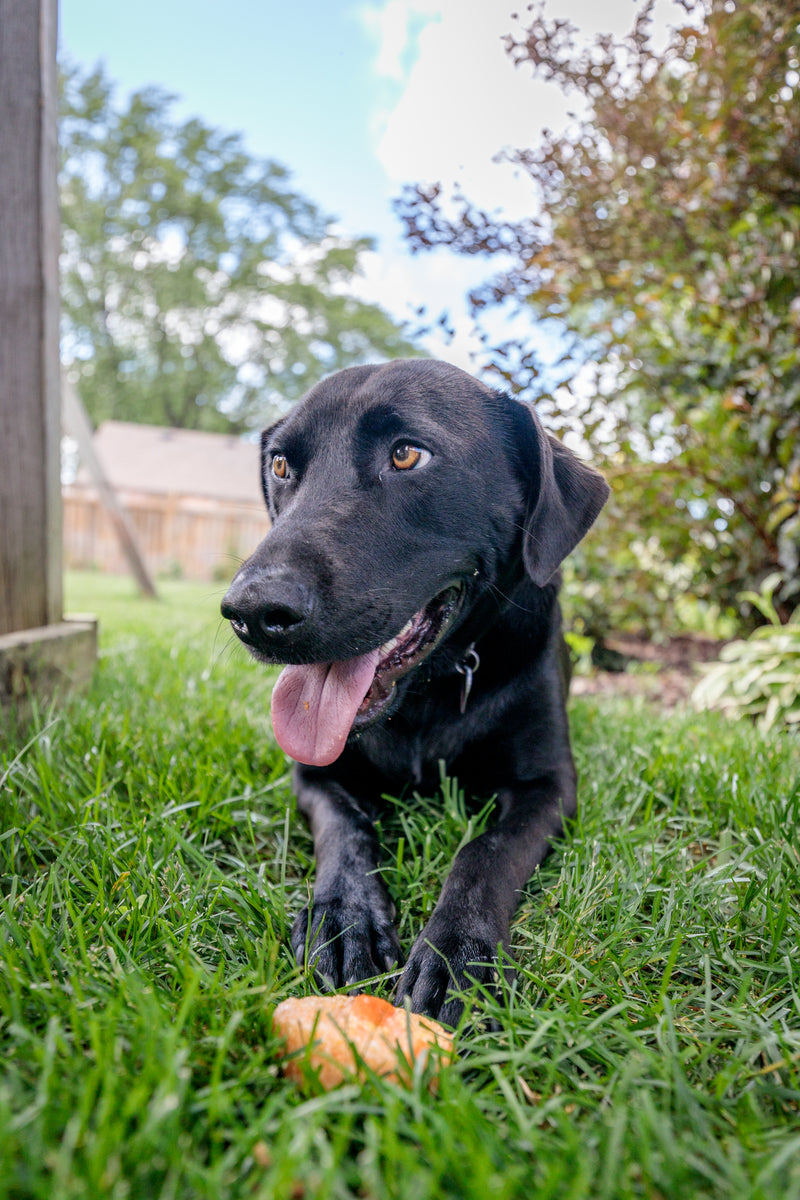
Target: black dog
{"type": "Point", "coordinates": [410, 578]}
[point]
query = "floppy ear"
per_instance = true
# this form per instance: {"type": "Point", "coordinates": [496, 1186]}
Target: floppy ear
{"type": "Point", "coordinates": [564, 499]}
{"type": "Point", "coordinates": [266, 435]}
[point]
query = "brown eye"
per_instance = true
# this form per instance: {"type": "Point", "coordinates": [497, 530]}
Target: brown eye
{"type": "Point", "coordinates": [280, 466]}
{"type": "Point", "coordinates": [405, 457]}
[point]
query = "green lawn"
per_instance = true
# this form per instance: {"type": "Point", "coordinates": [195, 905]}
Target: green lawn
{"type": "Point", "coordinates": [151, 862]}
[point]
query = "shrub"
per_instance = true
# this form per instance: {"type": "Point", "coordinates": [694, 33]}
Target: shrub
{"type": "Point", "coordinates": [758, 676]}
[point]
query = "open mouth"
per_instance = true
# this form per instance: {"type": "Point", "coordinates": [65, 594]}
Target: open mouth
{"type": "Point", "coordinates": [418, 638]}
{"type": "Point", "coordinates": [316, 706]}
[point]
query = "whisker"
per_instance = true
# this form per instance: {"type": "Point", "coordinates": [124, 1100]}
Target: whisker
{"type": "Point", "coordinates": [522, 608]}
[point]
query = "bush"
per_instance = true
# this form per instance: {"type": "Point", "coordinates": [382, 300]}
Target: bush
{"type": "Point", "coordinates": [758, 677]}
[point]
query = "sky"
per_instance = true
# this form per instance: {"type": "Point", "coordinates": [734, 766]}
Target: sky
{"type": "Point", "coordinates": [356, 97]}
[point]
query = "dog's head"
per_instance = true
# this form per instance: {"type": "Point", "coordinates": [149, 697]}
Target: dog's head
{"type": "Point", "coordinates": [398, 495]}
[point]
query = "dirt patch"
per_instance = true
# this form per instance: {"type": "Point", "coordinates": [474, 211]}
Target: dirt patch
{"type": "Point", "coordinates": [662, 672]}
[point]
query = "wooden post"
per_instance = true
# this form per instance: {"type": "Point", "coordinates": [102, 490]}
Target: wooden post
{"type": "Point", "coordinates": [76, 422]}
{"type": "Point", "coordinates": [30, 413]}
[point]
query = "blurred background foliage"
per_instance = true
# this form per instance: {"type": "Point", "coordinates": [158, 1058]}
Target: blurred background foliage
{"type": "Point", "coordinates": [664, 256]}
{"type": "Point", "coordinates": [758, 676]}
{"type": "Point", "coordinates": [199, 289]}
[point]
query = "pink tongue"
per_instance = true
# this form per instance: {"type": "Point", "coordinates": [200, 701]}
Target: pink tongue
{"type": "Point", "coordinates": [314, 707]}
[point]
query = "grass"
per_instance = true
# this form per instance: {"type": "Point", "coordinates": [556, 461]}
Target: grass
{"type": "Point", "coordinates": [151, 862]}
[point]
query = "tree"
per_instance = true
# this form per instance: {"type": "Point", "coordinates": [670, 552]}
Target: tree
{"type": "Point", "coordinates": [665, 254]}
{"type": "Point", "coordinates": [199, 288]}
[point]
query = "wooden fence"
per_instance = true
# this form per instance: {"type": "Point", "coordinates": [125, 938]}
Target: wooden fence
{"type": "Point", "coordinates": [186, 537]}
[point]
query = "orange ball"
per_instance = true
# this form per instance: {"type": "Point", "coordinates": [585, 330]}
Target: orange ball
{"type": "Point", "coordinates": [343, 1034]}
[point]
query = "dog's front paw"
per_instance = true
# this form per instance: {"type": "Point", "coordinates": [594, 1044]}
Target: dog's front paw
{"type": "Point", "coordinates": [444, 963]}
{"type": "Point", "coordinates": [346, 939]}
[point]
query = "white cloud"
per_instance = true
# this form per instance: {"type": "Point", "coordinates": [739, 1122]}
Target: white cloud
{"type": "Point", "coordinates": [450, 101]}
{"type": "Point", "coordinates": [439, 282]}
{"type": "Point", "coordinates": [461, 100]}
{"type": "Point", "coordinates": [458, 100]}
{"type": "Point", "coordinates": [393, 27]}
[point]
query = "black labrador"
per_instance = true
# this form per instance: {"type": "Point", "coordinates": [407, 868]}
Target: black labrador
{"type": "Point", "coordinates": [410, 581]}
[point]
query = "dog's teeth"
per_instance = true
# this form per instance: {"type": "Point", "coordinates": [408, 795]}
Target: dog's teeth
{"type": "Point", "coordinates": [387, 647]}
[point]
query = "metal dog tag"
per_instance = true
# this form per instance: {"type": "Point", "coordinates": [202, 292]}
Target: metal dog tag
{"type": "Point", "coordinates": [467, 668]}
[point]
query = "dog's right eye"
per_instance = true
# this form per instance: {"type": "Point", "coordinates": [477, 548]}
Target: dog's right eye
{"type": "Point", "coordinates": [280, 467]}
{"type": "Point", "coordinates": [406, 457]}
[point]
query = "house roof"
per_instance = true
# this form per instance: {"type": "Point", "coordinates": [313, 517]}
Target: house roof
{"type": "Point", "coordinates": [151, 458]}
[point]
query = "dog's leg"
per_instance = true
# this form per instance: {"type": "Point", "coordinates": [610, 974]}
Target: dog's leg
{"type": "Point", "coordinates": [347, 933]}
{"type": "Point", "coordinates": [473, 915]}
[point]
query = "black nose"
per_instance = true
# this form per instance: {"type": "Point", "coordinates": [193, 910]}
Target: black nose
{"type": "Point", "coordinates": [265, 608]}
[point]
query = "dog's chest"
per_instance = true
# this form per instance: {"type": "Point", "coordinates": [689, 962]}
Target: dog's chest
{"type": "Point", "coordinates": [411, 744]}
{"type": "Point", "coordinates": [407, 759]}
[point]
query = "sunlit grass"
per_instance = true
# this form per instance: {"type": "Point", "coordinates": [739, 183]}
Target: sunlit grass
{"type": "Point", "coordinates": [152, 861]}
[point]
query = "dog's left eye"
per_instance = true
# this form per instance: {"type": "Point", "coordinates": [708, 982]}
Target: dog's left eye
{"type": "Point", "coordinates": [406, 457]}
